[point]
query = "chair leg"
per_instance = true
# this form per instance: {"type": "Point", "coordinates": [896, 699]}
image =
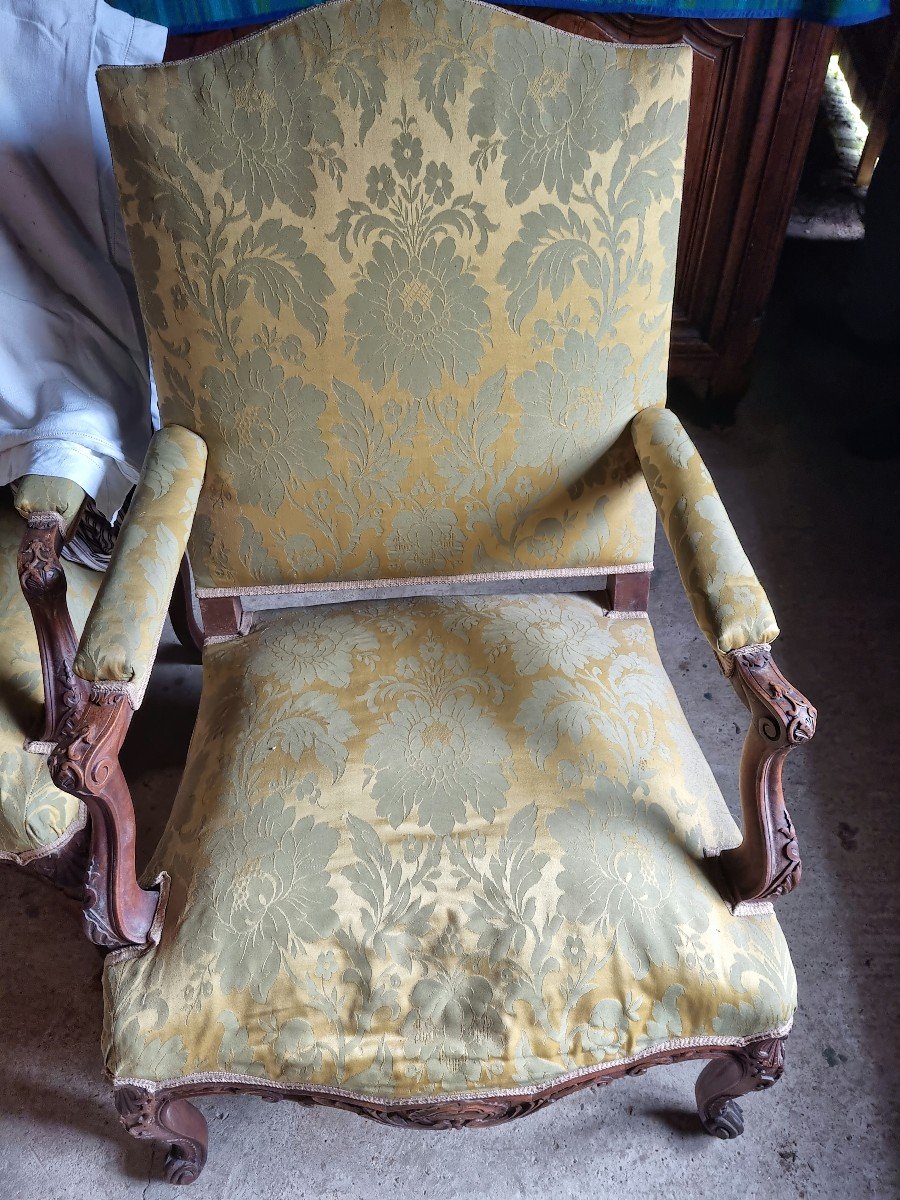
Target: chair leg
{"type": "Point", "coordinates": [737, 1072]}
{"type": "Point", "coordinates": [174, 1122]}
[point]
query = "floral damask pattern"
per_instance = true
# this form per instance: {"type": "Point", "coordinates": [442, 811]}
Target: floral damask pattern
{"type": "Point", "coordinates": [416, 311]}
{"type": "Point", "coordinates": [33, 813]}
{"type": "Point", "coordinates": [562, 399]}
{"type": "Point", "coordinates": [268, 890]}
{"type": "Point", "coordinates": [123, 629]}
{"type": "Point", "coordinates": [363, 281]}
{"type": "Point", "coordinates": [268, 417]}
{"type": "Point", "coordinates": [550, 107]}
{"type": "Point", "coordinates": [415, 851]}
{"type": "Point", "coordinates": [728, 601]}
{"type": "Point", "coordinates": [263, 146]}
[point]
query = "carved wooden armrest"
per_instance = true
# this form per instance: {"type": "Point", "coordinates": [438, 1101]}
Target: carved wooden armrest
{"type": "Point", "coordinates": [767, 862]}
{"type": "Point", "coordinates": [85, 763]}
{"type": "Point", "coordinates": [43, 582]}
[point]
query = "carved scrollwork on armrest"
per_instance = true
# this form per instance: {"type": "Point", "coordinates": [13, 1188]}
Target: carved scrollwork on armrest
{"type": "Point", "coordinates": [85, 763]}
{"type": "Point", "coordinates": [43, 583]}
{"type": "Point", "coordinates": [767, 863]}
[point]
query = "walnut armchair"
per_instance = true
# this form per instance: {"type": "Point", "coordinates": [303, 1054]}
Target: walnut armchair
{"type": "Point", "coordinates": [44, 830]}
{"type": "Point", "coordinates": [445, 848]}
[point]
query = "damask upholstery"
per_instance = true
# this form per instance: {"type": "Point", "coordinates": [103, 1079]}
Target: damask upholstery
{"type": "Point", "coordinates": [48, 493]}
{"type": "Point", "coordinates": [728, 601]}
{"type": "Point", "coordinates": [35, 817]}
{"type": "Point", "coordinates": [407, 268]}
{"type": "Point", "coordinates": [440, 846]}
{"type": "Point", "coordinates": [123, 631]}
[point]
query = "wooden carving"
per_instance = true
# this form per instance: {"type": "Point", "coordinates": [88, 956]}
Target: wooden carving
{"type": "Point", "coordinates": [174, 1122]}
{"type": "Point", "coordinates": [757, 1066]}
{"type": "Point", "coordinates": [767, 862]}
{"type": "Point", "coordinates": [85, 763]}
{"type": "Point", "coordinates": [168, 1117]}
{"type": "Point", "coordinates": [43, 583]}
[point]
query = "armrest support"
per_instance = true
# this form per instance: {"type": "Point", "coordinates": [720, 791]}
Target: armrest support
{"type": "Point", "coordinates": [732, 610]}
{"type": "Point", "coordinates": [728, 601]}
{"type": "Point", "coordinates": [51, 507]}
{"type": "Point", "coordinates": [85, 762]}
{"type": "Point", "coordinates": [111, 670]}
{"type": "Point", "coordinates": [767, 862]}
{"type": "Point", "coordinates": [125, 624]}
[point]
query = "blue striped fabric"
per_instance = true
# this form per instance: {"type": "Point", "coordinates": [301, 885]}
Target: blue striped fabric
{"type": "Point", "coordinates": [197, 16]}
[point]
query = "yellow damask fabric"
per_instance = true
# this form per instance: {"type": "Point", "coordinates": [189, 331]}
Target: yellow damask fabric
{"type": "Point", "coordinates": [49, 493]}
{"type": "Point", "coordinates": [728, 601]}
{"type": "Point", "coordinates": [440, 846]}
{"type": "Point", "coordinates": [407, 268]}
{"type": "Point", "coordinates": [124, 628]}
{"type": "Point", "coordinates": [34, 814]}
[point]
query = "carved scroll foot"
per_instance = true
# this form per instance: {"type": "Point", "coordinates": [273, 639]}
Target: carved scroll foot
{"type": "Point", "coordinates": [757, 1066]}
{"type": "Point", "coordinates": [176, 1124]}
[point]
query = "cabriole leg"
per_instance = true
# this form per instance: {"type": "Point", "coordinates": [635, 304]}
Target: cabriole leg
{"type": "Point", "coordinates": [736, 1073]}
{"type": "Point", "coordinates": [174, 1122]}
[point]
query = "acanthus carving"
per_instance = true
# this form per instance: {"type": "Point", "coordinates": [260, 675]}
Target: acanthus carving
{"type": "Point", "coordinates": [43, 583]}
{"type": "Point", "coordinates": [40, 571]}
{"type": "Point", "coordinates": [85, 763]}
{"type": "Point", "coordinates": [750, 1069]}
{"type": "Point", "coordinates": [767, 863]}
{"type": "Point", "coordinates": [173, 1122]}
{"type": "Point", "coordinates": [167, 1115]}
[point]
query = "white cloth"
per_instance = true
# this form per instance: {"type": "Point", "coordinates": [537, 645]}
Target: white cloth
{"type": "Point", "coordinates": [75, 388]}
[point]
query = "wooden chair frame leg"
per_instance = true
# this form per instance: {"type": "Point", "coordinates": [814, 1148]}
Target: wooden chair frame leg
{"type": "Point", "coordinates": [175, 1123]}
{"type": "Point", "coordinates": [757, 1066]}
{"type": "Point", "coordinates": [165, 1115]}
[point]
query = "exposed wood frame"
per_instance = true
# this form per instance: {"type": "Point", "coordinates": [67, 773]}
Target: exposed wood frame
{"type": "Point", "coordinates": [118, 912]}
{"type": "Point", "coordinates": [43, 583]}
{"type": "Point", "coordinates": [766, 865]}
{"type": "Point", "coordinates": [83, 730]}
{"type": "Point", "coordinates": [166, 1116]}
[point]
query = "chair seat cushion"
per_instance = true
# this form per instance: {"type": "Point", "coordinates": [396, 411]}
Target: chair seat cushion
{"type": "Point", "coordinates": [431, 847]}
{"type": "Point", "coordinates": [35, 817]}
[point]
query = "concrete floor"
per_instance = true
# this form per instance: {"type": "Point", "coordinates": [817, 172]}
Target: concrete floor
{"type": "Point", "coordinates": [821, 527]}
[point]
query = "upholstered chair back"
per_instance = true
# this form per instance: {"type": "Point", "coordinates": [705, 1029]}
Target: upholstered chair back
{"type": "Point", "coordinates": [407, 268]}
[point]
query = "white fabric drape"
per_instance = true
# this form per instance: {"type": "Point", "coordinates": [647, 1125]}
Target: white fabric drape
{"type": "Point", "coordinates": [75, 389]}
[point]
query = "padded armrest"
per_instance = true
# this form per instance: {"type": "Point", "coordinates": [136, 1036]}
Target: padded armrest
{"type": "Point", "coordinates": [728, 601]}
{"type": "Point", "coordinates": [124, 627]}
{"type": "Point", "coordinates": [50, 494]}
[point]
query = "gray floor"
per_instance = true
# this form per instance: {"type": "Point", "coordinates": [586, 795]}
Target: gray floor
{"type": "Point", "coordinates": [821, 528]}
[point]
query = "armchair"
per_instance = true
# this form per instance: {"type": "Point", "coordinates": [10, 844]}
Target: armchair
{"type": "Point", "coordinates": [445, 848]}
{"type": "Point", "coordinates": [42, 829]}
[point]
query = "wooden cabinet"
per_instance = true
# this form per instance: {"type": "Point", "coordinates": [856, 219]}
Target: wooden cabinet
{"type": "Point", "coordinates": [756, 89]}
